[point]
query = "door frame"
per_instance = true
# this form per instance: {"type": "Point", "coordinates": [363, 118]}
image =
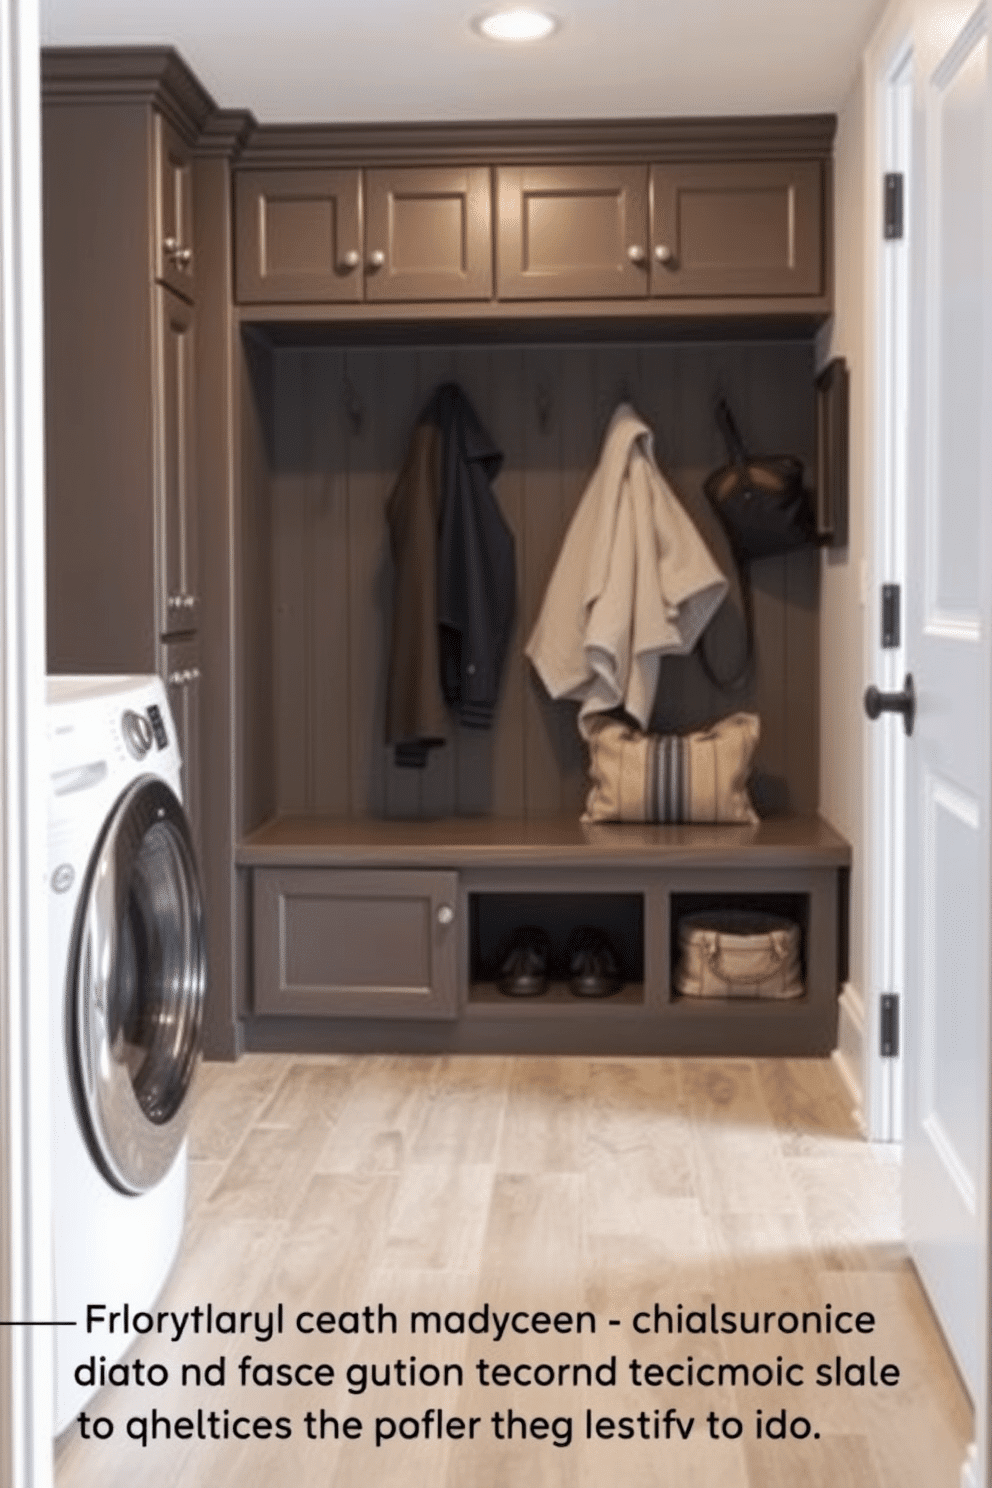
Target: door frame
{"type": "Point", "coordinates": [25, 1210]}
{"type": "Point", "coordinates": [888, 135]}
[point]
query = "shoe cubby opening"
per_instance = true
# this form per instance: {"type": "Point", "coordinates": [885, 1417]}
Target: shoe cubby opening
{"type": "Point", "coordinates": [560, 921]}
{"type": "Point", "coordinates": [794, 907]}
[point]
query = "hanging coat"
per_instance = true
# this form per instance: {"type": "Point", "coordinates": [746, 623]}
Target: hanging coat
{"type": "Point", "coordinates": [634, 582]}
{"type": "Point", "coordinates": [454, 592]}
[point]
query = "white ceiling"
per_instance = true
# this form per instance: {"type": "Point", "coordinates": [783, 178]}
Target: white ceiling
{"type": "Point", "coordinates": [324, 60]}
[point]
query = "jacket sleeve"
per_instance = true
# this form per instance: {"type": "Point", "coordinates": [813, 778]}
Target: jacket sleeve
{"type": "Point", "coordinates": [416, 718]}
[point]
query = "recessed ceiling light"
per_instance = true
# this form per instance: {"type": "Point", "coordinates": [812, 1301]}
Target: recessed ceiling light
{"type": "Point", "coordinates": [517, 25]}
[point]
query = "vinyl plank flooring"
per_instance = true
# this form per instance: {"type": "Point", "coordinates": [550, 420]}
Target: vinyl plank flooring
{"type": "Point", "coordinates": [506, 1197]}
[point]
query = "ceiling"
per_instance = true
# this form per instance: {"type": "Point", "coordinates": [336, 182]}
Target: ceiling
{"type": "Point", "coordinates": [307, 61]}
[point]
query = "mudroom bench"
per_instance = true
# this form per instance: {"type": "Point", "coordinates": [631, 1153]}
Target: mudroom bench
{"type": "Point", "coordinates": [387, 935]}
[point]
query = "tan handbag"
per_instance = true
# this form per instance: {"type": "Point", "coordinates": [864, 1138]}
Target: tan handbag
{"type": "Point", "coordinates": [738, 953]}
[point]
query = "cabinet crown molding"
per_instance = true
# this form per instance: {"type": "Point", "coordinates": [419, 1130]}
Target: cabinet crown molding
{"type": "Point", "coordinates": [155, 76]}
{"type": "Point", "coordinates": [765, 137]}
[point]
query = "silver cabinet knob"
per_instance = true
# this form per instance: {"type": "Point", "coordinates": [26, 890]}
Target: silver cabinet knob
{"type": "Point", "coordinates": [351, 259]}
{"type": "Point", "coordinates": [376, 258]}
{"type": "Point", "coordinates": [636, 253]}
{"type": "Point", "coordinates": [663, 254]}
{"type": "Point", "coordinates": [445, 914]}
{"type": "Point", "coordinates": [184, 677]}
{"type": "Point", "coordinates": [176, 253]}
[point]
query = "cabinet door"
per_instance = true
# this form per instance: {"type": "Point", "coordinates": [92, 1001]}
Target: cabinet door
{"type": "Point", "coordinates": [298, 235]}
{"type": "Point", "coordinates": [181, 671]}
{"type": "Point", "coordinates": [428, 234]}
{"type": "Point", "coordinates": [572, 232]}
{"type": "Point", "coordinates": [355, 944]}
{"type": "Point", "coordinates": [179, 606]}
{"type": "Point", "coordinates": [175, 264]}
{"type": "Point", "coordinates": [740, 228]}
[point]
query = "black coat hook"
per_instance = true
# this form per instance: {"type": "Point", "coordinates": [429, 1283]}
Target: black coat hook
{"type": "Point", "coordinates": [542, 402]}
{"type": "Point", "coordinates": [353, 406]}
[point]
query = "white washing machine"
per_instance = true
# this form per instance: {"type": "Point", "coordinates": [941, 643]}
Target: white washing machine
{"type": "Point", "coordinates": [128, 979]}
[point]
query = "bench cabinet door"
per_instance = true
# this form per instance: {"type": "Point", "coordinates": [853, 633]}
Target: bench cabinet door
{"type": "Point", "coordinates": [355, 944]}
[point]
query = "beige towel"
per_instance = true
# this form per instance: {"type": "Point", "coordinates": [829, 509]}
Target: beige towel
{"type": "Point", "coordinates": [634, 581]}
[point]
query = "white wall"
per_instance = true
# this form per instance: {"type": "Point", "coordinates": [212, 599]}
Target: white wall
{"type": "Point", "coordinates": [844, 613]}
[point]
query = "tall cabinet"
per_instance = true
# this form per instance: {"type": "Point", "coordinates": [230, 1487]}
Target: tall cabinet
{"type": "Point", "coordinates": [120, 282]}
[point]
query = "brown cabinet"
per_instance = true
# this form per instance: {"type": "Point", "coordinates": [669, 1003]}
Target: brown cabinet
{"type": "Point", "coordinates": [351, 943]}
{"type": "Point", "coordinates": [121, 490]}
{"type": "Point", "coordinates": [737, 229]}
{"type": "Point", "coordinates": [572, 232]}
{"type": "Point", "coordinates": [175, 405]}
{"type": "Point", "coordinates": [428, 234]}
{"type": "Point", "coordinates": [298, 235]}
{"type": "Point", "coordinates": [695, 229]}
{"type": "Point", "coordinates": [328, 236]}
{"type": "Point", "coordinates": [175, 264]}
{"type": "Point", "coordinates": [181, 670]}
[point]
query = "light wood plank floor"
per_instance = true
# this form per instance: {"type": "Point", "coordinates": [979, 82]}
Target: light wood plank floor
{"type": "Point", "coordinates": [604, 1187]}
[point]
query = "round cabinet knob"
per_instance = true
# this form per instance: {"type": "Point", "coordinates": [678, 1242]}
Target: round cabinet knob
{"type": "Point", "coordinates": [376, 259]}
{"type": "Point", "coordinates": [445, 914]}
{"type": "Point", "coordinates": [176, 253]}
{"type": "Point", "coordinates": [351, 259]}
{"type": "Point", "coordinates": [663, 254]}
{"type": "Point", "coordinates": [636, 253]}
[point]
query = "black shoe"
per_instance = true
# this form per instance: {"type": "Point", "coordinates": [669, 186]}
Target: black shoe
{"type": "Point", "coordinates": [524, 970]}
{"type": "Point", "coordinates": [593, 969]}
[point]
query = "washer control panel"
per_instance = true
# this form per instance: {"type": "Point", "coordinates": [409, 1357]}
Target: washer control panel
{"type": "Point", "coordinates": [137, 731]}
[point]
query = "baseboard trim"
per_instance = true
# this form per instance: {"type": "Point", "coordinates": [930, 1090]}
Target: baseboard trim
{"type": "Point", "coordinates": [849, 1055]}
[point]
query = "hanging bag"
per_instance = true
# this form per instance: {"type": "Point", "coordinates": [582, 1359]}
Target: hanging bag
{"type": "Point", "coordinates": [761, 501]}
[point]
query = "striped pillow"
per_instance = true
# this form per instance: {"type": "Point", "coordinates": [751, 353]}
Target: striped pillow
{"type": "Point", "coordinates": [699, 777]}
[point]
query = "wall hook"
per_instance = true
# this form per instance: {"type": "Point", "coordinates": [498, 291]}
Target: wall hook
{"type": "Point", "coordinates": [542, 402]}
{"type": "Point", "coordinates": [353, 406]}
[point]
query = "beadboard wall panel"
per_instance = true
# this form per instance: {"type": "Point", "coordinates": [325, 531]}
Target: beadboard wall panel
{"type": "Point", "coordinates": [340, 421]}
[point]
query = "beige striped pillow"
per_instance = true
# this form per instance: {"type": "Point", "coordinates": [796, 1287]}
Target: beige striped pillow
{"type": "Point", "coordinates": [700, 777]}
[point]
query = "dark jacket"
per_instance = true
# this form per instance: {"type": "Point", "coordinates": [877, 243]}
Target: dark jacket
{"type": "Point", "coordinates": [454, 594]}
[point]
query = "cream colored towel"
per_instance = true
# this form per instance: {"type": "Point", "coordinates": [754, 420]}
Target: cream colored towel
{"type": "Point", "coordinates": [634, 581]}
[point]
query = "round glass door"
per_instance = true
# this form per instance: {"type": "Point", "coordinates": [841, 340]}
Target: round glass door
{"type": "Point", "coordinates": [139, 987]}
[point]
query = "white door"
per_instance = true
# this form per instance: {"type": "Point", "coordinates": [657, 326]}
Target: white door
{"type": "Point", "coordinates": [949, 652]}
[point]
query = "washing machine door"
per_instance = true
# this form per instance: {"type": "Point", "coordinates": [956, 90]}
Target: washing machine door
{"type": "Point", "coordinates": [139, 987]}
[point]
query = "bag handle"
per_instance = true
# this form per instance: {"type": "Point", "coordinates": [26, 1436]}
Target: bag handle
{"type": "Point", "coordinates": [777, 952]}
{"type": "Point", "coordinates": [736, 448]}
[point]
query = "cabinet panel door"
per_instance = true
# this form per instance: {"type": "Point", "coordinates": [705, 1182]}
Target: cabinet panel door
{"type": "Point", "coordinates": [298, 235]}
{"type": "Point", "coordinates": [333, 942]}
{"type": "Point", "coordinates": [179, 605]}
{"type": "Point", "coordinates": [175, 263]}
{"type": "Point", "coordinates": [181, 671]}
{"type": "Point", "coordinates": [572, 232]}
{"type": "Point", "coordinates": [428, 234]}
{"type": "Point", "coordinates": [740, 228]}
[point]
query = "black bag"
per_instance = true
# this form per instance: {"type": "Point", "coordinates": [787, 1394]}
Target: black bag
{"type": "Point", "coordinates": [762, 502]}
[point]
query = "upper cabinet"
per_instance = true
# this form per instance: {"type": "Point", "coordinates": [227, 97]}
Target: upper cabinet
{"type": "Point", "coordinates": [664, 219]}
{"type": "Point", "coordinates": [738, 228]}
{"type": "Point", "coordinates": [175, 264]}
{"type": "Point", "coordinates": [572, 232]}
{"type": "Point", "coordinates": [378, 235]}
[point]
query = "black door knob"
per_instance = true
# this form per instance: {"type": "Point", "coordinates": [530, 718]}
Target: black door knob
{"type": "Point", "coordinates": [893, 702]}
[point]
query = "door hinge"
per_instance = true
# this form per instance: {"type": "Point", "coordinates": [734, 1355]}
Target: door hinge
{"type": "Point", "coordinates": [889, 1026]}
{"type": "Point", "coordinates": [890, 615]}
{"type": "Point", "coordinates": [892, 204]}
